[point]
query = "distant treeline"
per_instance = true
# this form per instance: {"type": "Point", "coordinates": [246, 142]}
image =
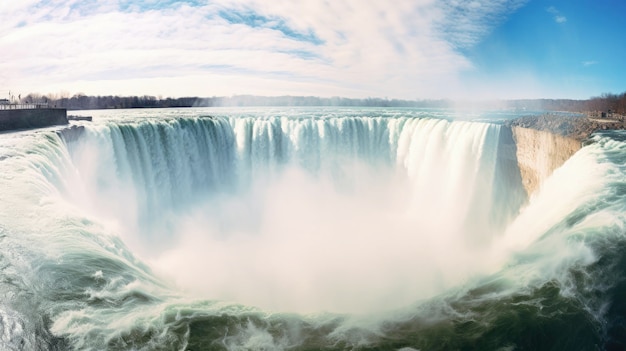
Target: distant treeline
{"type": "Point", "coordinates": [84, 102]}
{"type": "Point", "coordinates": [611, 103]}
{"type": "Point", "coordinates": [615, 103]}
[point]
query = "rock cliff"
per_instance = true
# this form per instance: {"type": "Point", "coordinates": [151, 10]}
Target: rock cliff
{"type": "Point", "coordinates": [543, 143]}
{"type": "Point", "coordinates": [539, 153]}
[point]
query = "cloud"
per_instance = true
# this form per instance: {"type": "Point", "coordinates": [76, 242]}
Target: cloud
{"type": "Point", "coordinates": [558, 17]}
{"type": "Point", "coordinates": [349, 47]}
{"type": "Point", "coordinates": [589, 63]}
{"type": "Point", "coordinates": [465, 22]}
{"type": "Point", "coordinates": [255, 20]}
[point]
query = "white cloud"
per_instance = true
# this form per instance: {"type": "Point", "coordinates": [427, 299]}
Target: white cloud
{"type": "Point", "coordinates": [345, 47]}
{"type": "Point", "coordinates": [589, 63]}
{"type": "Point", "coordinates": [558, 17]}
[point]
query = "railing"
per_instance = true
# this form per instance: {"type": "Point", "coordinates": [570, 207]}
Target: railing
{"type": "Point", "coordinates": [23, 106]}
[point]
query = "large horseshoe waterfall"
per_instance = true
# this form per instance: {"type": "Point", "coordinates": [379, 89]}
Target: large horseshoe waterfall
{"type": "Point", "coordinates": [306, 229]}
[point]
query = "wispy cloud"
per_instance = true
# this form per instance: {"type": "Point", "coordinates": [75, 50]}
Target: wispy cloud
{"type": "Point", "coordinates": [465, 22]}
{"type": "Point", "coordinates": [343, 47]}
{"type": "Point", "coordinates": [589, 63]}
{"type": "Point", "coordinates": [558, 17]}
{"type": "Point", "coordinates": [252, 19]}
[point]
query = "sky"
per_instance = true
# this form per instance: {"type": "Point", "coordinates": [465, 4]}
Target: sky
{"type": "Point", "coordinates": [405, 49]}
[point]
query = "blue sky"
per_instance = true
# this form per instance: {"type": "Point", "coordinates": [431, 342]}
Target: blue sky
{"type": "Point", "coordinates": [569, 48]}
{"type": "Point", "coordinates": [410, 49]}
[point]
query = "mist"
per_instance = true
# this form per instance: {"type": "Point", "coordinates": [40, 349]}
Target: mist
{"type": "Point", "coordinates": [300, 244]}
{"type": "Point", "coordinates": [395, 211]}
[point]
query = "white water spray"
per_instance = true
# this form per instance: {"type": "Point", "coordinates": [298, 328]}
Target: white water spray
{"type": "Point", "coordinates": [337, 214]}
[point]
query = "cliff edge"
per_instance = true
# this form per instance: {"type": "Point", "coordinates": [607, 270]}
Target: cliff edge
{"type": "Point", "coordinates": [543, 143]}
{"type": "Point", "coordinates": [577, 127]}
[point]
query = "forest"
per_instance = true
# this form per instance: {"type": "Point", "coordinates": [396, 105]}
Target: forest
{"type": "Point", "coordinates": [607, 103]}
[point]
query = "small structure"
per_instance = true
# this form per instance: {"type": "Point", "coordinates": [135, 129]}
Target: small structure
{"type": "Point", "coordinates": [29, 116]}
{"type": "Point", "coordinates": [4, 102]}
{"type": "Point", "coordinates": [79, 118]}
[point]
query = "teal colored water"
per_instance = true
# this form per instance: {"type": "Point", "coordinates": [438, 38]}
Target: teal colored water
{"type": "Point", "coordinates": [305, 229]}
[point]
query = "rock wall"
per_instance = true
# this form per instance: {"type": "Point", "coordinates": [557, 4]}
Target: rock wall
{"type": "Point", "coordinates": [31, 118]}
{"type": "Point", "coordinates": [539, 153]}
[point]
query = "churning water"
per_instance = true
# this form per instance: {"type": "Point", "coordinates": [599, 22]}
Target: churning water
{"type": "Point", "coordinates": [305, 229]}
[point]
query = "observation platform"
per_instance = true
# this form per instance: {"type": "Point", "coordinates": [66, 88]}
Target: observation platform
{"type": "Point", "coordinates": [30, 116]}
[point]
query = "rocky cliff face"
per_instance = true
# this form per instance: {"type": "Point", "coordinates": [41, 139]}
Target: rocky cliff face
{"type": "Point", "coordinates": [539, 153]}
{"type": "Point", "coordinates": [544, 142]}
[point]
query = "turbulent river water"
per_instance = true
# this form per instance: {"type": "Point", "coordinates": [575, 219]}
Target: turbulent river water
{"type": "Point", "coordinates": [306, 229]}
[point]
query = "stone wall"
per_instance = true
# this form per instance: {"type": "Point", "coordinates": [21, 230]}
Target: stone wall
{"type": "Point", "coordinates": [539, 153]}
{"type": "Point", "coordinates": [11, 119]}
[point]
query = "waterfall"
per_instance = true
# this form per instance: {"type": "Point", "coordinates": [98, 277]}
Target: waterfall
{"type": "Point", "coordinates": [299, 229]}
{"type": "Point", "coordinates": [417, 186]}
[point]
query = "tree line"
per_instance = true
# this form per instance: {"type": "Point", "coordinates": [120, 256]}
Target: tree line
{"type": "Point", "coordinates": [608, 103]}
{"type": "Point", "coordinates": [85, 102]}
{"type": "Point", "coordinates": [613, 103]}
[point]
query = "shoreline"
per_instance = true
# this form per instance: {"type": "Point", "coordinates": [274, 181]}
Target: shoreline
{"type": "Point", "coordinates": [578, 127]}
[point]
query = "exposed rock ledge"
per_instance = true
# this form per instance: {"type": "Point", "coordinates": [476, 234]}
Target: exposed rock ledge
{"type": "Point", "coordinates": [543, 143]}
{"type": "Point", "coordinates": [577, 127]}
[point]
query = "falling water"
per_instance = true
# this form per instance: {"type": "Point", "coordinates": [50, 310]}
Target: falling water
{"type": "Point", "coordinates": [301, 229]}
